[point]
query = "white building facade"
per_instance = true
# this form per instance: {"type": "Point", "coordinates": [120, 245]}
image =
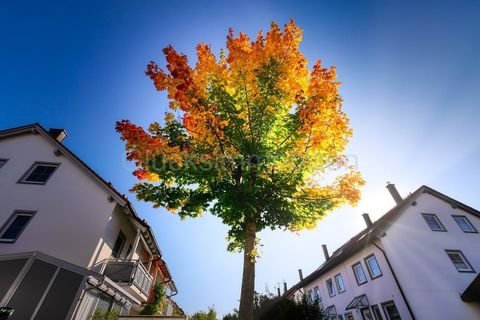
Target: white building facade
{"type": "Point", "coordinates": [419, 261]}
{"type": "Point", "coordinates": [58, 218]}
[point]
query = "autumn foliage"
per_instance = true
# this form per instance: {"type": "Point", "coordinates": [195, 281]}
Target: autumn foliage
{"type": "Point", "coordinates": [251, 135]}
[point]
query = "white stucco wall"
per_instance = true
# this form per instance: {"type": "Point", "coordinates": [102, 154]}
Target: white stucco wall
{"type": "Point", "coordinates": [429, 279]}
{"type": "Point", "coordinates": [378, 290]}
{"type": "Point", "coordinates": [117, 222]}
{"type": "Point", "coordinates": [72, 209]}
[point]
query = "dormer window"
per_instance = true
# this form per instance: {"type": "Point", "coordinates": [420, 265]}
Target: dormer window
{"type": "Point", "coordinates": [39, 173]}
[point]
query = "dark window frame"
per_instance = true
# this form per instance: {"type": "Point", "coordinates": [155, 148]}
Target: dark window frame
{"type": "Point", "coordinates": [368, 266]}
{"type": "Point", "coordinates": [355, 274]}
{"type": "Point", "coordinates": [334, 292]}
{"type": "Point", "coordinates": [348, 314]}
{"type": "Point", "coordinates": [474, 230]}
{"type": "Point", "coordinates": [336, 283]}
{"type": "Point", "coordinates": [310, 298]}
{"type": "Point", "coordinates": [376, 315]}
{"type": "Point", "coordinates": [362, 312]}
{"type": "Point", "coordinates": [30, 170]}
{"type": "Point", "coordinates": [122, 246]}
{"type": "Point", "coordinates": [385, 304]}
{"type": "Point", "coordinates": [3, 162]}
{"type": "Point", "coordinates": [459, 252]}
{"type": "Point", "coordinates": [443, 229]}
{"type": "Point", "coordinates": [315, 290]}
{"type": "Point", "coordinates": [11, 219]}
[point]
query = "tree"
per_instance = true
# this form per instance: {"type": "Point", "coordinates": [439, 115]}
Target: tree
{"type": "Point", "coordinates": [211, 314]}
{"type": "Point", "coordinates": [252, 136]}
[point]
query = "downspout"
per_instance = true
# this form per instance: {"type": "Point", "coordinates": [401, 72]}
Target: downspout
{"type": "Point", "coordinates": [176, 291]}
{"type": "Point", "coordinates": [396, 281]}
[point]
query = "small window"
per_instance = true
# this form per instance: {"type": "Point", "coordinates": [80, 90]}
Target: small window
{"type": "Point", "coordinates": [366, 314]}
{"type": "Point", "coordinates": [2, 162]}
{"type": "Point", "coordinates": [373, 267]}
{"type": "Point", "coordinates": [310, 296]}
{"type": "Point", "coordinates": [39, 173]}
{"type": "Point", "coordinates": [118, 246]}
{"type": "Point", "coordinates": [376, 312]}
{"type": "Point", "coordinates": [15, 225]}
{"type": "Point", "coordinates": [349, 316]}
{"type": "Point", "coordinates": [465, 224]}
{"type": "Point", "coordinates": [359, 273]}
{"type": "Point", "coordinates": [316, 294]}
{"type": "Point", "coordinates": [330, 288]}
{"type": "Point", "coordinates": [340, 283]}
{"type": "Point", "coordinates": [459, 261]}
{"type": "Point", "coordinates": [433, 222]}
{"type": "Point", "coordinates": [391, 311]}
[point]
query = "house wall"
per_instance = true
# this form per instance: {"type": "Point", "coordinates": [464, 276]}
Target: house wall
{"type": "Point", "coordinates": [71, 208]}
{"type": "Point", "coordinates": [117, 222]}
{"type": "Point", "coordinates": [429, 279]}
{"type": "Point", "coordinates": [378, 290]}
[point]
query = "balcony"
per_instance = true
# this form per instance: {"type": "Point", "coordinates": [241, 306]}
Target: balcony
{"type": "Point", "coordinates": [129, 272]}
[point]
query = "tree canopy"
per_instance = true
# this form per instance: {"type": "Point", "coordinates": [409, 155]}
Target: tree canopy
{"type": "Point", "coordinates": [251, 132]}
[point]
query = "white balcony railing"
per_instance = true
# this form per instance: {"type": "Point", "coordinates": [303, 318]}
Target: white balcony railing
{"type": "Point", "coordinates": [130, 272]}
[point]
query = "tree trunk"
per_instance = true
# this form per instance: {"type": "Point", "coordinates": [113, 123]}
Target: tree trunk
{"type": "Point", "coordinates": [248, 279]}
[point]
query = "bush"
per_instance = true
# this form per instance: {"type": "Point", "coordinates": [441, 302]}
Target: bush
{"type": "Point", "coordinates": [211, 314]}
{"type": "Point", "coordinates": [269, 307]}
{"type": "Point", "coordinates": [107, 315]}
{"type": "Point", "coordinates": [157, 303]}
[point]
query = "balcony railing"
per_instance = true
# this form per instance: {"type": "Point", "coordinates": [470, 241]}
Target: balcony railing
{"type": "Point", "coordinates": [129, 272]}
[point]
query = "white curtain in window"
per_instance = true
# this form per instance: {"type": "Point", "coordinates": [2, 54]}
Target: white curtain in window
{"type": "Point", "coordinates": [87, 306]}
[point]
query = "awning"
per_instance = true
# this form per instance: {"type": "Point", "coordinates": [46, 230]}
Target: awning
{"type": "Point", "coordinates": [331, 311]}
{"type": "Point", "coordinates": [358, 302]}
{"type": "Point", "coordinates": [472, 293]}
{"type": "Point", "coordinates": [112, 289]}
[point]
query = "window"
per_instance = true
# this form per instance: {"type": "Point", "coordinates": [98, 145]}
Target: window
{"type": "Point", "coordinates": [340, 284]}
{"type": "Point", "coordinates": [2, 162]}
{"type": "Point", "coordinates": [373, 267]}
{"type": "Point", "coordinates": [366, 314]}
{"type": "Point", "coordinates": [330, 288]}
{"type": "Point", "coordinates": [433, 222]}
{"type": "Point", "coordinates": [459, 261]}
{"type": "Point", "coordinates": [316, 294]}
{"type": "Point", "coordinates": [391, 311]}
{"type": "Point", "coordinates": [359, 273]}
{"type": "Point", "coordinates": [14, 226]}
{"type": "Point", "coordinates": [465, 224]}
{"type": "Point", "coordinates": [349, 316]}
{"type": "Point", "coordinates": [118, 246]}
{"type": "Point", "coordinates": [39, 173]}
{"type": "Point", "coordinates": [310, 296]}
{"type": "Point", "coordinates": [376, 312]}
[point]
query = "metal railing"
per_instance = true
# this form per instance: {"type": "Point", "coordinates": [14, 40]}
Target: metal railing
{"type": "Point", "coordinates": [128, 271]}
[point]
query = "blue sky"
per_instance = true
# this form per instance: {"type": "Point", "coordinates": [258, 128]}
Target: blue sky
{"type": "Point", "coordinates": [410, 74]}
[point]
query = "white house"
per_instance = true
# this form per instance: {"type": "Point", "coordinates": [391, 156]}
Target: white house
{"type": "Point", "coordinates": [69, 242]}
{"type": "Point", "coordinates": [418, 261]}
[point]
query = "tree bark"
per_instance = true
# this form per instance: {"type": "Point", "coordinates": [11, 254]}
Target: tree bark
{"type": "Point", "coordinates": [248, 279]}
